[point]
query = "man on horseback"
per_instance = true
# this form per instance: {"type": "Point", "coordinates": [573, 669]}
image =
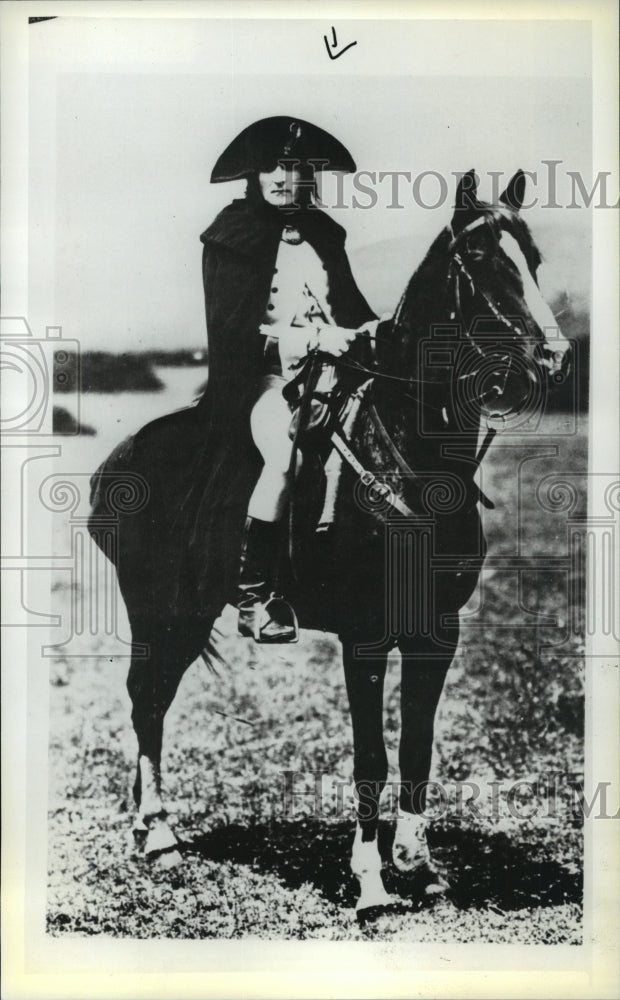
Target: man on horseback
{"type": "Point", "coordinates": [279, 288]}
{"type": "Point", "coordinates": [305, 301]}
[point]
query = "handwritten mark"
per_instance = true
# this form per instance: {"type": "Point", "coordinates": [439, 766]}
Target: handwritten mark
{"type": "Point", "coordinates": [334, 45]}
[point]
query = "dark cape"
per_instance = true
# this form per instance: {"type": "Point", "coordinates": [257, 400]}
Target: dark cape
{"type": "Point", "coordinates": [176, 550]}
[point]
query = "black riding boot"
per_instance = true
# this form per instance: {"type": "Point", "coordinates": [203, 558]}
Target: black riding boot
{"type": "Point", "coordinates": [262, 615]}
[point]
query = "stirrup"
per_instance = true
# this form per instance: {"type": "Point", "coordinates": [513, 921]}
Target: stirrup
{"type": "Point", "coordinates": [274, 611]}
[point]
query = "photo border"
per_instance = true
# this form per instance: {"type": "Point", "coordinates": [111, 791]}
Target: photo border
{"type": "Point", "coordinates": [36, 965]}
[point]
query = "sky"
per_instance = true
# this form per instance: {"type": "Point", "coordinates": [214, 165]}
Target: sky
{"type": "Point", "coordinates": [127, 118]}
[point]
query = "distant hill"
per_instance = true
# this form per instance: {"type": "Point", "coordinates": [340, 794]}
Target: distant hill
{"type": "Point", "coordinates": [132, 371]}
{"type": "Point", "coordinates": [64, 422]}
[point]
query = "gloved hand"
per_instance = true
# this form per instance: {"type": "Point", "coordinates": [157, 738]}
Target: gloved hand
{"type": "Point", "coordinates": [334, 340]}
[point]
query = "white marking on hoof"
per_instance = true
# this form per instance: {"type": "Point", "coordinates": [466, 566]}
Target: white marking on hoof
{"type": "Point", "coordinates": [151, 834]}
{"type": "Point", "coordinates": [410, 850]}
{"type": "Point", "coordinates": [412, 857]}
{"type": "Point", "coordinates": [366, 866]}
{"type": "Point", "coordinates": [159, 837]}
{"type": "Point", "coordinates": [438, 888]}
{"type": "Point", "coordinates": [164, 862]}
{"type": "Point", "coordinates": [372, 893]}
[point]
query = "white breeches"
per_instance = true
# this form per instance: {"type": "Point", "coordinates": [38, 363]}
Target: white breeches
{"type": "Point", "coordinates": [270, 421]}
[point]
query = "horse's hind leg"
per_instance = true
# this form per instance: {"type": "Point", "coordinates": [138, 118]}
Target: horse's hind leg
{"type": "Point", "coordinates": [364, 681]}
{"type": "Point", "coordinates": [151, 688]}
{"type": "Point", "coordinates": [152, 684]}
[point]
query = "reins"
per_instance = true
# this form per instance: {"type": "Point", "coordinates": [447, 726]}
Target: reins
{"type": "Point", "coordinates": [308, 375]}
{"type": "Point", "coordinates": [456, 314]}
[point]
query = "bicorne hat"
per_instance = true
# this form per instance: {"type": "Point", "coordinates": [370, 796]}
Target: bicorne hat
{"type": "Point", "coordinates": [261, 145]}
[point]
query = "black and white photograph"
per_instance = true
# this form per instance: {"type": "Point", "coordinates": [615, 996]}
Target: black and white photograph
{"type": "Point", "coordinates": [310, 532]}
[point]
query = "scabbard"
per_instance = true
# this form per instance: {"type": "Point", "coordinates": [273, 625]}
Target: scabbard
{"type": "Point", "coordinates": [333, 465]}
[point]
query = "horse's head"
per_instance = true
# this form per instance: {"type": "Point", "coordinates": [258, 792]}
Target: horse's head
{"type": "Point", "coordinates": [511, 345]}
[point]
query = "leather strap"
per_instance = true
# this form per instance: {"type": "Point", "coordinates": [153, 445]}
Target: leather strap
{"type": "Point", "coordinates": [486, 444]}
{"type": "Point", "coordinates": [369, 479]}
{"type": "Point", "coordinates": [389, 443]}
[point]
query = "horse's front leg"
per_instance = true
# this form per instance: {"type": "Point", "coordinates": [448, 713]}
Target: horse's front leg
{"type": "Point", "coordinates": [364, 681]}
{"type": "Point", "coordinates": [425, 662]}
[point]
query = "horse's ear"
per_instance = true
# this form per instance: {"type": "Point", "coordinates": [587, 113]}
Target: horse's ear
{"type": "Point", "coordinates": [515, 192]}
{"type": "Point", "coordinates": [466, 192]}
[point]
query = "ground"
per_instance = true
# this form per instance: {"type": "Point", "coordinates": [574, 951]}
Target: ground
{"type": "Point", "coordinates": [266, 850]}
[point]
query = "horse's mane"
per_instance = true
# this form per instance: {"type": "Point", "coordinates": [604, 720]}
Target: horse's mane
{"type": "Point", "coordinates": [514, 224]}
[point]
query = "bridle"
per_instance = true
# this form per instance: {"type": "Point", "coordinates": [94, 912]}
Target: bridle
{"type": "Point", "coordinates": [457, 271]}
{"type": "Point", "coordinates": [456, 261]}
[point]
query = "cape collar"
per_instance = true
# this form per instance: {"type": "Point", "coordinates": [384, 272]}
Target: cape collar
{"type": "Point", "coordinates": [253, 229]}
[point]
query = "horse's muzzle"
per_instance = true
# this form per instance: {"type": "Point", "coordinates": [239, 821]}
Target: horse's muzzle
{"type": "Point", "coordinates": [502, 386]}
{"type": "Point", "coordinates": [512, 393]}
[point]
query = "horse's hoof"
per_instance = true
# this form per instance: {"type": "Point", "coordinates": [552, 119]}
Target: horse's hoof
{"type": "Point", "coordinates": [371, 913]}
{"type": "Point", "coordinates": [374, 901]}
{"type": "Point", "coordinates": [159, 839]}
{"type": "Point", "coordinates": [436, 886]}
{"type": "Point", "coordinates": [426, 884]}
{"type": "Point", "coordinates": [366, 866]}
{"type": "Point", "coordinates": [167, 860]}
{"type": "Point", "coordinates": [373, 896]}
{"type": "Point", "coordinates": [436, 891]}
{"type": "Point", "coordinates": [410, 851]}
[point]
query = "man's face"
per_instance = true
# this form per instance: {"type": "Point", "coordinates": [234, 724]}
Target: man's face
{"type": "Point", "coordinates": [280, 187]}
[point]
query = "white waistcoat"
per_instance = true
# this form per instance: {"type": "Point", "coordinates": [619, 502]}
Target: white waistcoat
{"type": "Point", "coordinates": [298, 288]}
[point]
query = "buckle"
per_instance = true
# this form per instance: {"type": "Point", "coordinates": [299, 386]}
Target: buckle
{"type": "Point", "coordinates": [368, 478]}
{"type": "Point", "coordinates": [381, 490]}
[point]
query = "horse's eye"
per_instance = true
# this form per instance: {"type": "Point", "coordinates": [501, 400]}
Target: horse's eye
{"type": "Point", "coordinates": [478, 246]}
{"type": "Point", "coordinates": [477, 253]}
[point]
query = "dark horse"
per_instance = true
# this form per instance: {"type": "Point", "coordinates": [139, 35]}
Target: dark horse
{"type": "Point", "coordinates": [404, 547]}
